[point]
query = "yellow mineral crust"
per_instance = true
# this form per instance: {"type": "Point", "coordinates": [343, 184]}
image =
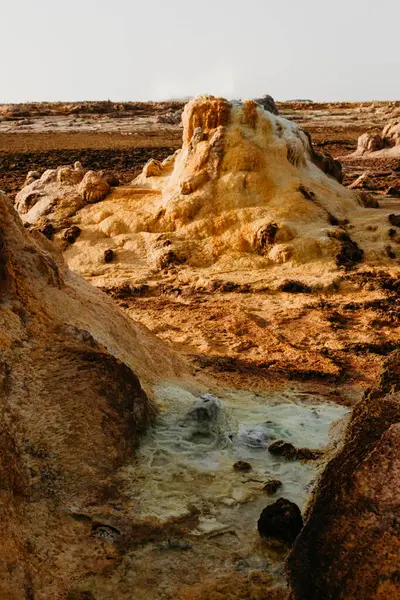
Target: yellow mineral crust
{"type": "Point", "coordinates": [242, 194]}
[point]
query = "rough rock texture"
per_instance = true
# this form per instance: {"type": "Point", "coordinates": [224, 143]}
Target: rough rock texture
{"type": "Point", "coordinates": [72, 410]}
{"type": "Point", "coordinates": [386, 144]}
{"type": "Point", "coordinates": [350, 545]}
{"type": "Point", "coordinates": [268, 103]}
{"type": "Point", "coordinates": [281, 520]}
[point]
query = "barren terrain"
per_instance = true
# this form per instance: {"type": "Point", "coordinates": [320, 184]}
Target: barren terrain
{"type": "Point", "coordinates": [280, 333]}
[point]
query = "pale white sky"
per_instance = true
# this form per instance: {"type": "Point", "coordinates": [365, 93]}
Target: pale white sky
{"type": "Point", "coordinates": [153, 49]}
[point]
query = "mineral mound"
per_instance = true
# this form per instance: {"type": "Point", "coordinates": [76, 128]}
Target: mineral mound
{"type": "Point", "coordinates": [385, 145]}
{"type": "Point", "coordinates": [246, 192]}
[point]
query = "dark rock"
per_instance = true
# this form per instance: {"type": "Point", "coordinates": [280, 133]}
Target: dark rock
{"type": "Point", "coordinates": [368, 200]}
{"type": "Point", "coordinates": [265, 238]}
{"type": "Point", "coordinates": [283, 448]}
{"type": "Point", "coordinates": [295, 287]}
{"type": "Point", "coordinates": [272, 485]}
{"type": "Point", "coordinates": [168, 259]}
{"type": "Point", "coordinates": [112, 180]}
{"type": "Point", "coordinates": [242, 466]}
{"type": "Point", "coordinates": [350, 253]}
{"type": "Point", "coordinates": [349, 546]}
{"type": "Point", "coordinates": [48, 231]}
{"type": "Point", "coordinates": [109, 255]}
{"type": "Point", "coordinates": [281, 520]}
{"type": "Point", "coordinates": [325, 162]}
{"type": "Point", "coordinates": [392, 191]}
{"type": "Point", "coordinates": [268, 104]}
{"type": "Point", "coordinates": [290, 452]}
{"type": "Point", "coordinates": [71, 234]}
{"type": "Point", "coordinates": [394, 220]}
{"type": "Point", "coordinates": [389, 252]}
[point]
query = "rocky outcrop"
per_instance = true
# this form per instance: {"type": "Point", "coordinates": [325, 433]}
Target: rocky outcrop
{"type": "Point", "coordinates": [72, 410]}
{"type": "Point", "coordinates": [350, 545]}
{"type": "Point", "coordinates": [268, 104]}
{"type": "Point", "coordinates": [387, 143]}
{"type": "Point", "coordinates": [59, 193]}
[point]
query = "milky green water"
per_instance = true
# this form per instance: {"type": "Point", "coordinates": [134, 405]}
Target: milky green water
{"type": "Point", "coordinates": [183, 465]}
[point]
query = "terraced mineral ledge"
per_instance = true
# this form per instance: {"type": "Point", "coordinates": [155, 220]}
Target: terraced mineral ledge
{"type": "Point", "coordinates": [235, 433]}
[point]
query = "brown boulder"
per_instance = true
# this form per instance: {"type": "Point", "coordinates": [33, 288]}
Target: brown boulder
{"type": "Point", "coordinates": [72, 411]}
{"type": "Point", "coordinates": [350, 545]}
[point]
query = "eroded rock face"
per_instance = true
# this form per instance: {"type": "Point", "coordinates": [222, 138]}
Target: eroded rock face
{"type": "Point", "coordinates": [387, 143]}
{"type": "Point", "coordinates": [350, 545]}
{"type": "Point", "coordinates": [93, 188]}
{"type": "Point", "coordinates": [281, 520]}
{"type": "Point", "coordinates": [72, 410]}
{"type": "Point", "coordinates": [268, 103]}
{"type": "Point", "coordinates": [59, 193]}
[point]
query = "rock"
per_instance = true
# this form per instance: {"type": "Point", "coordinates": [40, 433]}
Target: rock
{"type": "Point", "coordinates": [265, 238]}
{"type": "Point", "coordinates": [193, 183]}
{"type": "Point", "coordinates": [152, 168]}
{"type": "Point", "coordinates": [290, 452]}
{"type": "Point", "coordinates": [243, 191]}
{"type": "Point", "coordinates": [31, 177]}
{"type": "Point", "coordinates": [283, 448]}
{"type": "Point", "coordinates": [369, 143]}
{"type": "Point", "coordinates": [109, 255]}
{"type": "Point", "coordinates": [329, 165]}
{"type": "Point", "coordinates": [48, 231]}
{"type": "Point", "coordinates": [394, 220]}
{"type": "Point", "coordinates": [385, 144]}
{"type": "Point", "coordinates": [390, 252]}
{"type": "Point", "coordinates": [112, 180]}
{"type": "Point", "coordinates": [272, 486]}
{"type": "Point", "coordinates": [206, 413]}
{"type": "Point", "coordinates": [350, 253]}
{"type": "Point", "coordinates": [71, 234]}
{"type": "Point", "coordinates": [392, 191]}
{"type": "Point", "coordinates": [242, 466]}
{"type": "Point", "coordinates": [93, 188]}
{"type": "Point", "coordinates": [349, 546]}
{"type": "Point", "coordinates": [171, 118]}
{"type": "Point", "coordinates": [73, 410]}
{"type": "Point", "coordinates": [368, 200]}
{"type": "Point", "coordinates": [281, 520]}
{"type": "Point", "coordinates": [295, 287]}
{"type": "Point", "coordinates": [68, 176]}
{"type": "Point", "coordinates": [268, 103]}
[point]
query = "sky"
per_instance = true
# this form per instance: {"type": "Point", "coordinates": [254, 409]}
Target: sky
{"type": "Point", "coordinates": [152, 49]}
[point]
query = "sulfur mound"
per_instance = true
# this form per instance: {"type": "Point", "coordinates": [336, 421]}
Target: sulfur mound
{"type": "Point", "coordinates": [72, 411]}
{"type": "Point", "coordinates": [247, 191]}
